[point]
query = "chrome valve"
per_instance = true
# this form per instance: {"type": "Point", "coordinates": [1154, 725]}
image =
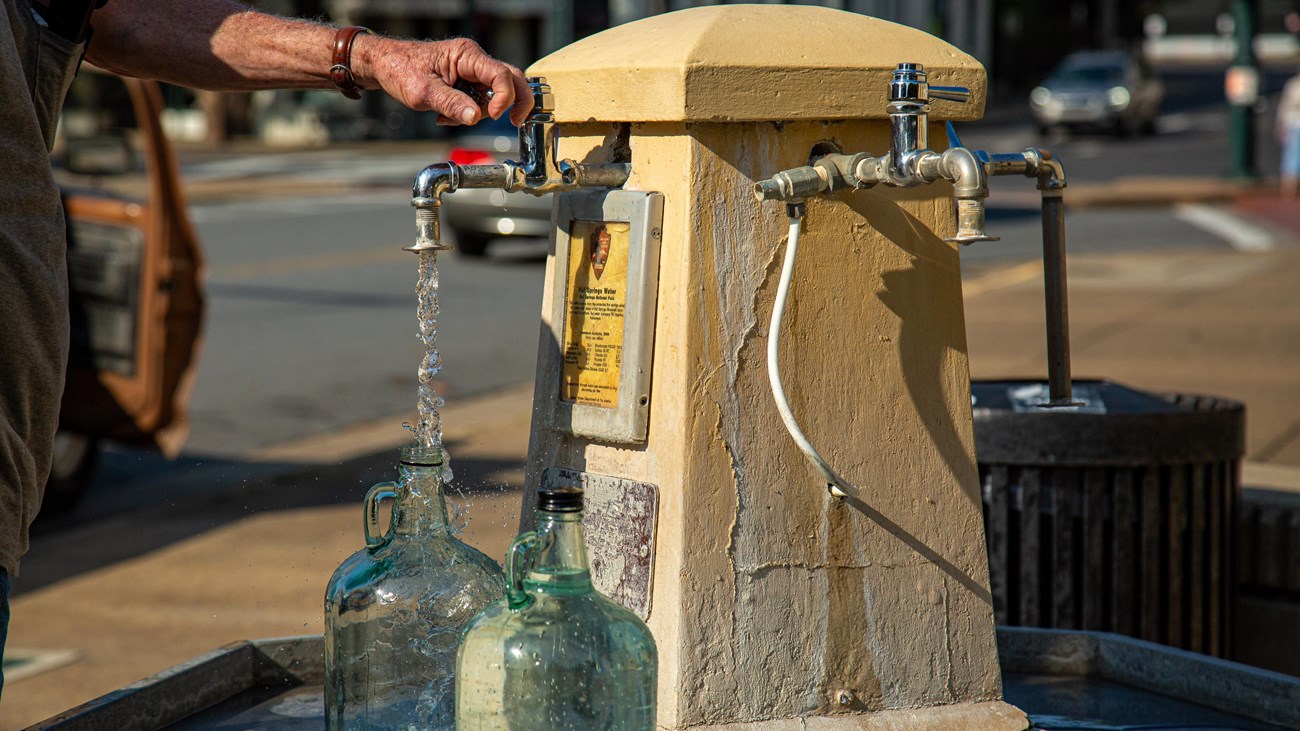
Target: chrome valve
{"type": "Point", "coordinates": [537, 171]}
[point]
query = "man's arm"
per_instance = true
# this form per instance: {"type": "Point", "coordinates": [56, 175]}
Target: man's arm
{"type": "Point", "coordinates": [226, 46]}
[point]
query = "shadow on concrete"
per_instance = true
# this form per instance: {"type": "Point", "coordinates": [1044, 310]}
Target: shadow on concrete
{"type": "Point", "coordinates": [141, 503]}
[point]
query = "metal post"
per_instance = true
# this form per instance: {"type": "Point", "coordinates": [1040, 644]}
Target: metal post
{"type": "Point", "coordinates": [1059, 385]}
{"type": "Point", "coordinates": [1241, 87]}
{"type": "Point", "coordinates": [465, 23]}
{"type": "Point", "coordinates": [559, 25]}
{"type": "Point", "coordinates": [626, 11]}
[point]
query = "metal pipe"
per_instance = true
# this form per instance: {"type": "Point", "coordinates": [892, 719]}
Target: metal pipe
{"type": "Point", "coordinates": [909, 134]}
{"type": "Point", "coordinates": [794, 184]}
{"type": "Point", "coordinates": [537, 143]}
{"type": "Point", "coordinates": [486, 176]}
{"type": "Point", "coordinates": [1051, 182]}
{"type": "Point", "coordinates": [909, 110]}
{"type": "Point", "coordinates": [595, 175]}
{"type": "Point", "coordinates": [1055, 301]}
{"type": "Point", "coordinates": [910, 162]}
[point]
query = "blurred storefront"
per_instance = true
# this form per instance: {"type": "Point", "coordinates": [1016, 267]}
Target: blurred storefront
{"type": "Point", "coordinates": [1016, 40]}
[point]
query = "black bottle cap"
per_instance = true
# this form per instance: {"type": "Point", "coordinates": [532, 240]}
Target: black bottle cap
{"type": "Point", "coordinates": [560, 499]}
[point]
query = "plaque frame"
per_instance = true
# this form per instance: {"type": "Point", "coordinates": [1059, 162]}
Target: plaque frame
{"type": "Point", "coordinates": [628, 421]}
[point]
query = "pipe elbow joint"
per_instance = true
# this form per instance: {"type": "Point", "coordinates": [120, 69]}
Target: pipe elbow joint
{"type": "Point", "coordinates": [967, 174]}
{"type": "Point", "coordinates": [970, 187]}
{"type": "Point", "coordinates": [1049, 171]}
{"type": "Point", "coordinates": [432, 182]}
{"type": "Point", "coordinates": [1051, 175]}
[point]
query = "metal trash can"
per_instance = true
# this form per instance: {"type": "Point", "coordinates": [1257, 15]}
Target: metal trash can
{"type": "Point", "coordinates": [1117, 515]}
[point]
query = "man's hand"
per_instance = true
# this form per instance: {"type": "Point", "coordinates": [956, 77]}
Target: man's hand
{"type": "Point", "coordinates": [421, 74]}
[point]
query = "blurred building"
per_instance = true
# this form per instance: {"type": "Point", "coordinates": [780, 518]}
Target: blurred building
{"type": "Point", "coordinates": [1016, 40]}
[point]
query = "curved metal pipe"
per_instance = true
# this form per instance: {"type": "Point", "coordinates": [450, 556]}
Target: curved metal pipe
{"type": "Point", "coordinates": [970, 185]}
{"type": "Point", "coordinates": [426, 196]}
{"type": "Point", "coordinates": [432, 182]}
{"type": "Point", "coordinates": [1051, 174]}
{"type": "Point", "coordinates": [448, 177]}
{"type": "Point", "coordinates": [960, 166]}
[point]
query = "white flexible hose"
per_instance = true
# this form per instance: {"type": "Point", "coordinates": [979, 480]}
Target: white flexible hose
{"type": "Point", "coordinates": [838, 485]}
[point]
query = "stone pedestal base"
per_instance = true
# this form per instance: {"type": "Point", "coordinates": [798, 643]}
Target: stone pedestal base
{"type": "Point", "coordinates": [986, 716]}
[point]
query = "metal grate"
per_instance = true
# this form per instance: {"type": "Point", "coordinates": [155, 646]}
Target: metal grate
{"type": "Point", "coordinates": [1145, 552]}
{"type": "Point", "coordinates": [1121, 522]}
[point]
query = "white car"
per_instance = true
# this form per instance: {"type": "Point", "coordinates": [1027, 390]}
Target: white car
{"type": "Point", "coordinates": [1109, 90]}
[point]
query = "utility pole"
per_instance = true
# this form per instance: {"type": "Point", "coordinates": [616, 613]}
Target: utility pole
{"type": "Point", "coordinates": [559, 26]}
{"type": "Point", "coordinates": [1241, 87]}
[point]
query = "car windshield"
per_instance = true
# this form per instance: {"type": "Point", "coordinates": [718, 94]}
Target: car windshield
{"type": "Point", "coordinates": [1089, 75]}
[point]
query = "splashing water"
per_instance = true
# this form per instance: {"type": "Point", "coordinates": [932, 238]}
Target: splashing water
{"type": "Point", "coordinates": [428, 429]}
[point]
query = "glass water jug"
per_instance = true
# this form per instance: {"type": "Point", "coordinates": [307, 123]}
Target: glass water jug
{"type": "Point", "coordinates": [555, 654]}
{"type": "Point", "coordinates": [396, 609]}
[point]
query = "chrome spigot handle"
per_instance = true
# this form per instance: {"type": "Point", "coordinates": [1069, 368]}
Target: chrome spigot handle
{"type": "Point", "coordinates": [910, 83]}
{"type": "Point", "coordinates": [950, 93]}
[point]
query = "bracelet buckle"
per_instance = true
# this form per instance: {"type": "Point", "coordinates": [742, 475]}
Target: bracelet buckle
{"type": "Point", "coordinates": [341, 70]}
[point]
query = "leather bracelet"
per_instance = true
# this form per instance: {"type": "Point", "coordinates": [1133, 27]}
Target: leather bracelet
{"type": "Point", "coordinates": [341, 70]}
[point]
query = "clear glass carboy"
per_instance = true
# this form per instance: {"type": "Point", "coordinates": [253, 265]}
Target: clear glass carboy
{"type": "Point", "coordinates": [395, 610]}
{"type": "Point", "coordinates": [555, 654]}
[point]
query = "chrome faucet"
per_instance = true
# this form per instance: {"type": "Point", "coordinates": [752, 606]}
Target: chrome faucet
{"type": "Point", "coordinates": [909, 162]}
{"type": "Point", "coordinates": [537, 172]}
{"type": "Point", "coordinates": [909, 118]}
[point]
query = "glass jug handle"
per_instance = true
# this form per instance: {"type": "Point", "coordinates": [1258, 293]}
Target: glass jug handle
{"type": "Point", "coordinates": [518, 560]}
{"type": "Point", "coordinates": [374, 496]}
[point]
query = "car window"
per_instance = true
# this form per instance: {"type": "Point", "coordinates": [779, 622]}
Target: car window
{"type": "Point", "coordinates": [97, 103]}
{"type": "Point", "coordinates": [99, 118]}
{"type": "Point", "coordinates": [1090, 75]}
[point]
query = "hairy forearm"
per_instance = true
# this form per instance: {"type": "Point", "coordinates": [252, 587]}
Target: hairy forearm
{"type": "Point", "coordinates": [211, 44]}
{"type": "Point", "coordinates": [224, 45]}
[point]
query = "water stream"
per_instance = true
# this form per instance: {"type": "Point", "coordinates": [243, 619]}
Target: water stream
{"type": "Point", "coordinates": [428, 427]}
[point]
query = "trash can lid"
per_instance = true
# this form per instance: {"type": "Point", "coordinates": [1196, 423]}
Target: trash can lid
{"type": "Point", "coordinates": [1094, 397]}
{"type": "Point", "coordinates": [1115, 426]}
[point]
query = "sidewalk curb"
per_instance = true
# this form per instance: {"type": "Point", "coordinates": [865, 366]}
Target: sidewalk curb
{"type": "Point", "coordinates": [1142, 191]}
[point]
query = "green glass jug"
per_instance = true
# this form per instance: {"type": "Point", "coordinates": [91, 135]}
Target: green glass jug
{"type": "Point", "coordinates": [555, 654]}
{"type": "Point", "coordinates": [396, 609]}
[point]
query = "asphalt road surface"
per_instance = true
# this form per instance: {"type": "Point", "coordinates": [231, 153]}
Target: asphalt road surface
{"type": "Point", "coordinates": [312, 323]}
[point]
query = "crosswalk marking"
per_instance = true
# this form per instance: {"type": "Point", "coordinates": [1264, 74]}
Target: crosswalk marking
{"type": "Point", "coordinates": [1239, 233]}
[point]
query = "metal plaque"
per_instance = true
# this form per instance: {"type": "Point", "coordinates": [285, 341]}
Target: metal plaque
{"type": "Point", "coordinates": [605, 285]}
{"type": "Point", "coordinates": [619, 521]}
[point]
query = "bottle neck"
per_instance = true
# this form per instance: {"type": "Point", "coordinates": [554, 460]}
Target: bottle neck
{"type": "Point", "coordinates": [562, 558]}
{"type": "Point", "coordinates": [421, 507]}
